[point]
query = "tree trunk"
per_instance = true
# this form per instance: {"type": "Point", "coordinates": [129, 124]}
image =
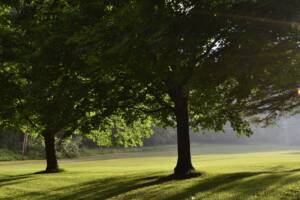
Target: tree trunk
{"type": "Point", "coordinates": [184, 165]}
{"type": "Point", "coordinates": [52, 165]}
{"type": "Point", "coordinates": [25, 144]}
{"type": "Point", "coordinates": [114, 134]}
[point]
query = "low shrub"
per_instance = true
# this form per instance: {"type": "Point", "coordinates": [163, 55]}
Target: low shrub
{"type": "Point", "coordinates": [68, 149]}
{"type": "Point", "coordinates": [7, 155]}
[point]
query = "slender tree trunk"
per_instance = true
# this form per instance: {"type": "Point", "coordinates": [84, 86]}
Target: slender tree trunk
{"type": "Point", "coordinates": [52, 165]}
{"type": "Point", "coordinates": [114, 134]}
{"type": "Point", "coordinates": [184, 163]}
{"type": "Point", "coordinates": [24, 145]}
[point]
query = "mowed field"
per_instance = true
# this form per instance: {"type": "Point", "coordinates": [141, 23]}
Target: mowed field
{"type": "Point", "coordinates": [228, 172]}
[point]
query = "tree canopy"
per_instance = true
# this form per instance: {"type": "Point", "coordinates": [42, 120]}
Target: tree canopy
{"type": "Point", "coordinates": [60, 88]}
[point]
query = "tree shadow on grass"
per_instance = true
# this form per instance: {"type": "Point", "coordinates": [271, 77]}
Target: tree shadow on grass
{"type": "Point", "coordinates": [241, 184]}
{"type": "Point", "coordinates": [112, 187]}
{"type": "Point", "coordinates": [10, 180]}
{"type": "Point", "coordinates": [102, 188]}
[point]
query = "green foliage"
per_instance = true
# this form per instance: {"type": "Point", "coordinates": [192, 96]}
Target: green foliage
{"type": "Point", "coordinates": [8, 155]}
{"type": "Point", "coordinates": [11, 139]}
{"type": "Point", "coordinates": [35, 149]}
{"type": "Point", "coordinates": [225, 58]}
{"type": "Point", "coordinates": [68, 149]}
{"type": "Point", "coordinates": [116, 132]}
{"type": "Point", "coordinates": [61, 84]}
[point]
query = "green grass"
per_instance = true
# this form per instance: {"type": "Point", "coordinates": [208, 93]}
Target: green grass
{"type": "Point", "coordinates": [229, 172]}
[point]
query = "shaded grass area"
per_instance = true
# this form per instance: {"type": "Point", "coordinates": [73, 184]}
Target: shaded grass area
{"type": "Point", "coordinates": [241, 185]}
{"type": "Point", "coordinates": [271, 175]}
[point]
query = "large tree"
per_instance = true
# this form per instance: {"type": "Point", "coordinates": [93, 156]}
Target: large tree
{"type": "Point", "coordinates": [60, 86]}
{"type": "Point", "coordinates": [203, 64]}
{"type": "Point", "coordinates": [52, 95]}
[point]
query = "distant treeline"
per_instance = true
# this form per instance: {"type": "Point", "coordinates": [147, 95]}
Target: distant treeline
{"type": "Point", "coordinates": [285, 132]}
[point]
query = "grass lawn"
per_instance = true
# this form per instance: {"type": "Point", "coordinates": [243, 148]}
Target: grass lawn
{"type": "Point", "coordinates": [228, 172]}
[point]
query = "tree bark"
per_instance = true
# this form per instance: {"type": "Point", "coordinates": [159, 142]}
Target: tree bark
{"type": "Point", "coordinates": [52, 165]}
{"type": "Point", "coordinates": [184, 165]}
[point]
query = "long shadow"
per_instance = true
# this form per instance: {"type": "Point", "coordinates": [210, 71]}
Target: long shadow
{"type": "Point", "coordinates": [112, 187]}
{"type": "Point", "coordinates": [9, 180]}
{"type": "Point", "coordinates": [100, 189]}
{"type": "Point", "coordinates": [212, 183]}
{"type": "Point", "coordinates": [266, 184]}
{"type": "Point", "coordinates": [252, 183]}
{"type": "Point", "coordinates": [241, 183]}
{"type": "Point", "coordinates": [108, 188]}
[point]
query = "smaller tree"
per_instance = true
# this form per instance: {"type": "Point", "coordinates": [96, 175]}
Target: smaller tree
{"type": "Point", "coordinates": [51, 95]}
{"type": "Point", "coordinates": [60, 87]}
